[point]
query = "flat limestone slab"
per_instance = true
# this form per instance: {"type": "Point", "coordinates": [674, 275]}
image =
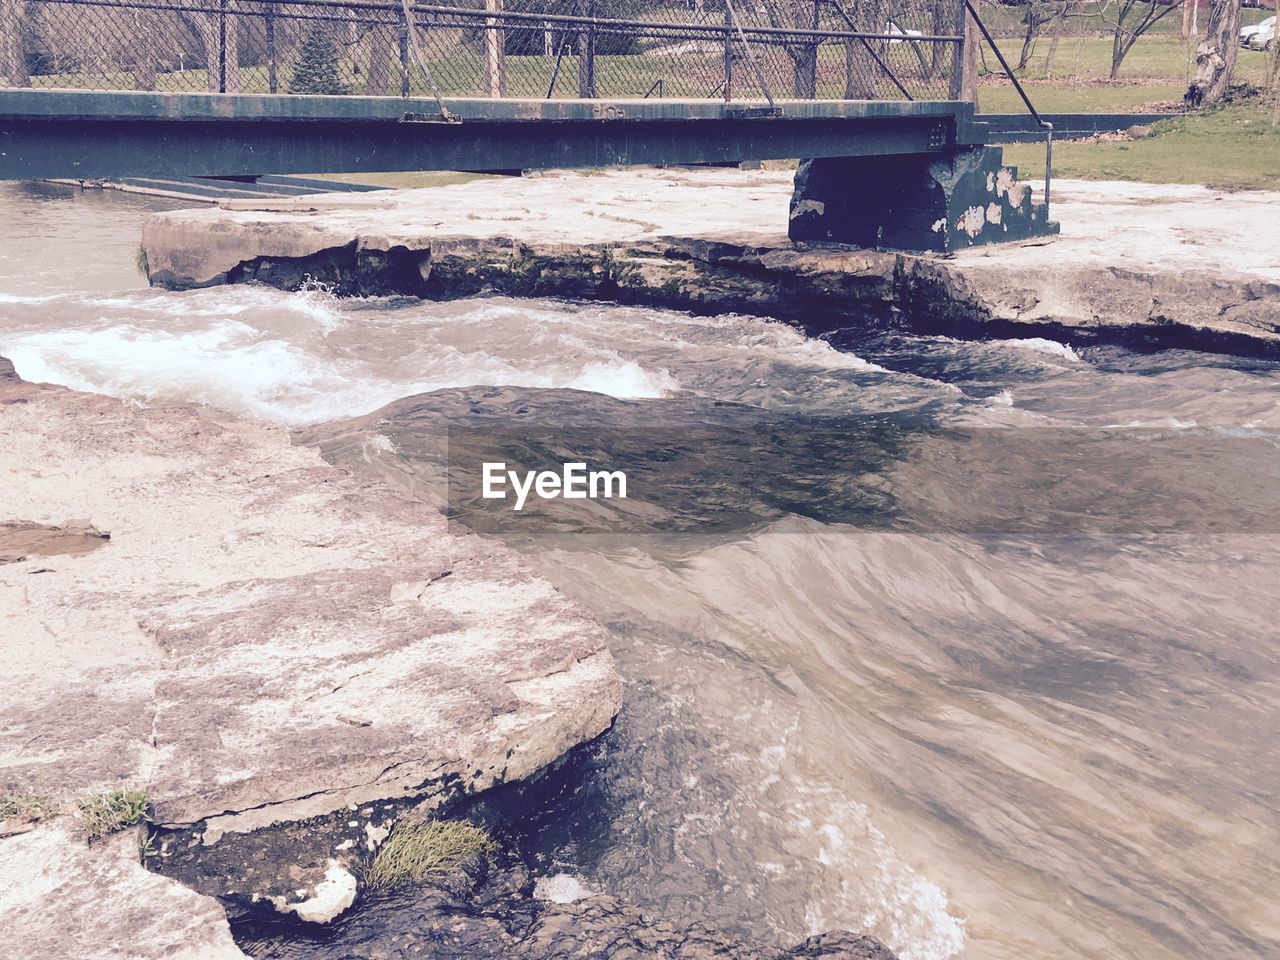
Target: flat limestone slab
{"type": "Point", "coordinates": [1166, 265]}
{"type": "Point", "coordinates": [264, 637]}
{"type": "Point", "coordinates": [60, 898]}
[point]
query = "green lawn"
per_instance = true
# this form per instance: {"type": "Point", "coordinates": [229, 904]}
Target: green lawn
{"type": "Point", "coordinates": [1159, 56]}
{"type": "Point", "coordinates": [1234, 147]}
{"type": "Point", "coordinates": [1080, 98]}
{"type": "Point", "coordinates": [1006, 21]}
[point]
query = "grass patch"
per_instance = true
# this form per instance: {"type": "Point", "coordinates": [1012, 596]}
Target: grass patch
{"type": "Point", "coordinates": [1235, 147]}
{"type": "Point", "coordinates": [425, 851]}
{"type": "Point", "coordinates": [1065, 96]}
{"type": "Point", "coordinates": [26, 807]}
{"type": "Point", "coordinates": [107, 813]}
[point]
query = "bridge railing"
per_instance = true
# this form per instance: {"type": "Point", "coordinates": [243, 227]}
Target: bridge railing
{"type": "Point", "coordinates": [720, 49]}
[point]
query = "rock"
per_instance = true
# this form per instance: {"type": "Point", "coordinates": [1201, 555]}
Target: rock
{"type": "Point", "coordinates": [495, 912]}
{"type": "Point", "coordinates": [332, 895]}
{"type": "Point", "coordinates": [1136, 264]}
{"type": "Point", "coordinates": [250, 603]}
{"type": "Point", "coordinates": [19, 540]}
{"type": "Point", "coordinates": [62, 898]}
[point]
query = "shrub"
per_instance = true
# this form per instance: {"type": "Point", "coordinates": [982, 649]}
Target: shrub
{"type": "Point", "coordinates": [107, 813]}
{"type": "Point", "coordinates": [319, 66]}
{"type": "Point", "coordinates": [424, 851]}
{"type": "Point", "coordinates": [26, 807]}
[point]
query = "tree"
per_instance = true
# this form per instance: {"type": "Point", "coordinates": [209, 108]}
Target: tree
{"type": "Point", "coordinates": [802, 15]}
{"type": "Point", "coordinates": [13, 54]}
{"type": "Point", "coordinates": [1216, 55]}
{"type": "Point", "coordinates": [1041, 14]}
{"type": "Point", "coordinates": [319, 68]}
{"type": "Point", "coordinates": [221, 40]}
{"type": "Point", "coordinates": [1129, 20]}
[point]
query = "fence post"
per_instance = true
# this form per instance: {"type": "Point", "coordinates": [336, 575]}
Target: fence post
{"type": "Point", "coordinates": [222, 46]}
{"type": "Point", "coordinates": [964, 63]}
{"type": "Point", "coordinates": [815, 49]}
{"type": "Point", "coordinates": [587, 54]}
{"type": "Point", "coordinates": [273, 82]}
{"type": "Point", "coordinates": [728, 54]}
{"type": "Point", "coordinates": [404, 55]}
{"type": "Point", "coordinates": [494, 50]}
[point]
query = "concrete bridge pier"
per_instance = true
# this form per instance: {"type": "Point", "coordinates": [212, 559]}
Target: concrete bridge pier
{"type": "Point", "coordinates": [939, 202]}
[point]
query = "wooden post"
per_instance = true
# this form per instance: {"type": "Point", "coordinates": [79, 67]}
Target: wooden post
{"type": "Point", "coordinates": [494, 51]}
{"type": "Point", "coordinates": [964, 65]}
{"type": "Point", "coordinates": [728, 53]}
{"type": "Point", "coordinates": [587, 54]}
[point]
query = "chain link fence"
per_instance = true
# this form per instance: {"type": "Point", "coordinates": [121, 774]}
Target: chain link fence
{"type": "Point", "coordinates": [567, 49]}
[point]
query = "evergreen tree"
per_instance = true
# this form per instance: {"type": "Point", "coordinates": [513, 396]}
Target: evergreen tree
{"type": "Point", "coordinates": [318, 69]}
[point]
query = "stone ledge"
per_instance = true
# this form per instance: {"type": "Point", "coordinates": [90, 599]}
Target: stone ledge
{"type": "Point", "coordinates": [60, 898]}
{"type": "Point", "coordinates": [1137, 264]}
{"type": "Point", "coordinates": [264, 637]}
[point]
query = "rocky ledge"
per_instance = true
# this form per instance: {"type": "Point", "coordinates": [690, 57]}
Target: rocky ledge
{"type": "Point", "coordinates": [1136, 264]}
{"type": "Point", "coordinates": [251, 636]}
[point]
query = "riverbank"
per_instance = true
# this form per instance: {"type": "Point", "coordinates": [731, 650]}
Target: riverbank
{"type": "Point", "coordinates": [245, 669]}
{"type": "Point", "coordinates": [238, 635]}
{"type": "Point", "coordinates": [1137, 265]}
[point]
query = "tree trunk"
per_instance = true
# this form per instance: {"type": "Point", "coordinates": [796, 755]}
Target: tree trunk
{"type": "Point", "coordinates": [221, 52]}
{"type": "Point", "coordinates": [861, 71]}
{"type": "Point", "coordinates": [13, 55]}
{"type": "Point", "coordinates": [940, 26]}
{"type": "Point", "coordinates": [143, 50]}
{"type": "Point", "coordinates": [233, 55]}
{"type": "Point", "coordinates": [1273, 81]}
{"type": "Point", "coordinates": [852, 86]}
{"type": "Point", "coordinates": [1216, 56]}
{"type": "Point", "coordinates": [1117, 52]}
{"type": "Point", "coordinates": [378, 68]}
{"type": "Point", "coordinates": [1029, 37]}
{"type": "Point", "coordinates": [805, 72]}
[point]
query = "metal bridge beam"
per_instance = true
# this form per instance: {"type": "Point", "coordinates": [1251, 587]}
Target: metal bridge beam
{"type": "Point", "coordinates": [85, 135]}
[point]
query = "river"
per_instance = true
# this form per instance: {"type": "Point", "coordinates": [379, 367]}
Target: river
{"type": "Point", "coordinates": [1014, 739]}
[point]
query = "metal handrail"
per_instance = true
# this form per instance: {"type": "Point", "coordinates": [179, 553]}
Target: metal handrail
{"type": "Point", "coordinates": [1044, 124]}
{"type": "Point", "coordinates": [467, 13]}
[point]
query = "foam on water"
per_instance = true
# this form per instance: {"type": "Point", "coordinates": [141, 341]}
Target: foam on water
{"type": "Point", "coordinates": [288, 358]}
{"type": "Point", "coordinates": [562, 888]}
{"type": "Point", "coordinates": [1042, 345]}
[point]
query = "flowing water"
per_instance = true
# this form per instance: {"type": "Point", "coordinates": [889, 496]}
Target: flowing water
{"type": "Point", "coordinates": [1010, 739]}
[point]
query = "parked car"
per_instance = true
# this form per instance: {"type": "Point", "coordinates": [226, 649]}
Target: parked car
{"type": "Point", "coordinates": [1260, 36]}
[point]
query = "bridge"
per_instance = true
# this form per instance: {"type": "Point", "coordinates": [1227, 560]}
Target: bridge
{"type": "Point", "coordinates": [875, 95]}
